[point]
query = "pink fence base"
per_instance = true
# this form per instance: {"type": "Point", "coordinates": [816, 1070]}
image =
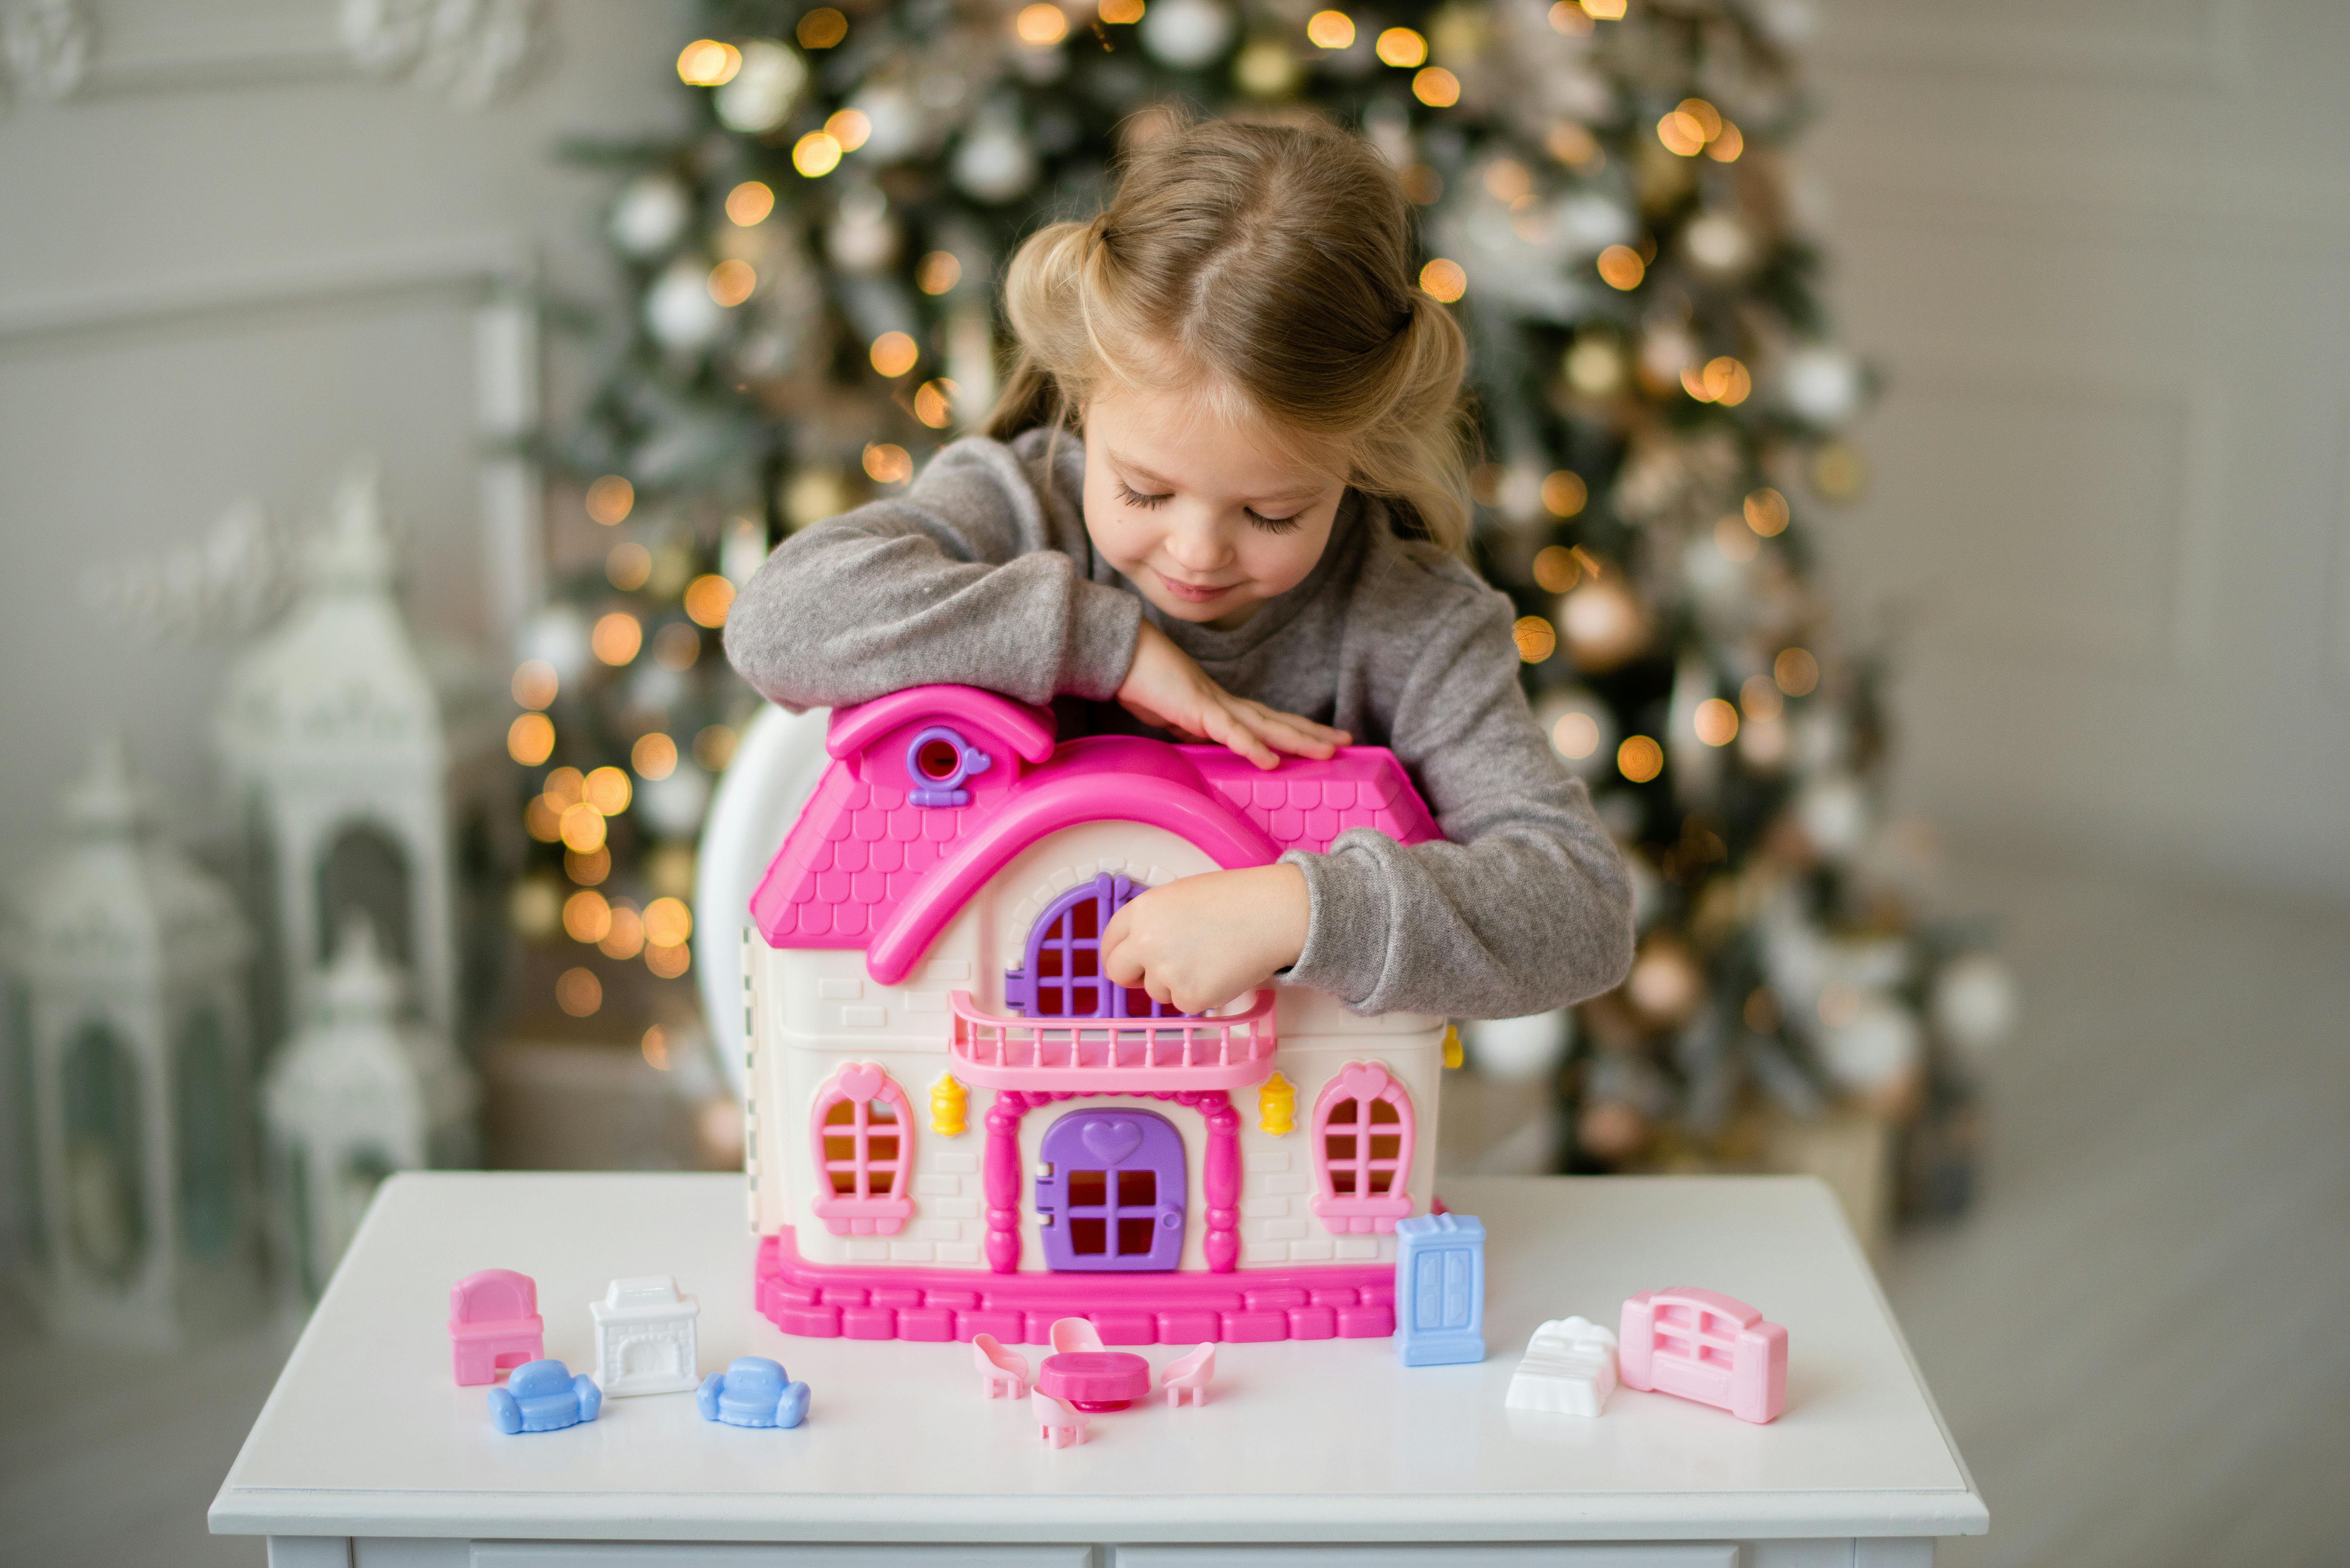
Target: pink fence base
{"type": "Point", "coordinates": [823, 1301]}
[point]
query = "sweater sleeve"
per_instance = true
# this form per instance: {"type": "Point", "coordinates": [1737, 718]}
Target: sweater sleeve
{"type": "Point", "coordinates": [1525, 905]}
{"type": "Point", "coordinates": [967, 577]}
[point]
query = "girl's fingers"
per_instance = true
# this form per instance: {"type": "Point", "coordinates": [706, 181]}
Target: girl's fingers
{"type": "Point", "coordinates": [1292, 734]}
{"type": "Point", "coordinates": [1229, 729]}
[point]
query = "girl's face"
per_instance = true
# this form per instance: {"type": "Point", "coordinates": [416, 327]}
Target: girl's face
{"type": "Point", "coordinates": [1209, 519]}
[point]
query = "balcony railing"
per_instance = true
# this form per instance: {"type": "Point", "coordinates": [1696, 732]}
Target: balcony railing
{"type": "Point", "coordinates": [1107, 1055]}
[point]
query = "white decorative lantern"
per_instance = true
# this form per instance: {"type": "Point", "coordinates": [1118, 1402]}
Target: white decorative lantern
{"type": "Point", "coordinates": [361, 1092]}
{"type": "Point", "coordinates": [645, 1337]}
{"type": "Point", "coordinates": [342, 745]}
{"type": "Point", "coordinates": [132, 961]}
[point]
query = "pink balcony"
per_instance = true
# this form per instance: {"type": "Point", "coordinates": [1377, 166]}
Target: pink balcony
{"type": "Point", "coordinates": [1114, 1055]}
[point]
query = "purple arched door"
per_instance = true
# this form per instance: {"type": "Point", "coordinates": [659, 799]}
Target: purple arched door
{"type": "Point", "coordinates": [1112, 1196]}
{"type": "Point", "coordinates": [1062, 977]}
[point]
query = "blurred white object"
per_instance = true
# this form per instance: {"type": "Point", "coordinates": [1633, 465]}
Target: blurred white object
{"type": "Point", "coordinates": [1875, 1047]}
{"type": "Point", "coordinates": [1974, 1002]}
{"type": "Point", "coordinates": [364, 1089]}
{"type": "Point", "coordinates": [1569, 1367]}
{"type": "Point", "coordinates": [131, 964]}
{"type": "Point", "coordinates": [775, 770]}
{"type": "Point", "coordinates": [1518, 1049]}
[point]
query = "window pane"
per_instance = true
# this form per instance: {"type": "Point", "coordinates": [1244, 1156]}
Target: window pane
{"type": "Point", "coordinates": [1342, 1181]}
{"type": "Point", "coordinates": [1090, 1189]}
{"type": "Point", "coordinates": [1089, 1238]}
{"type": "Point", "coordinates": [1343, 1111]}
{"type": "Point", "coordinates": [1381, 1111]}
{"type": "Point", "coordinates": [1337, 1147]}
{"type": "Point", "coordinates": [1134, 1237]}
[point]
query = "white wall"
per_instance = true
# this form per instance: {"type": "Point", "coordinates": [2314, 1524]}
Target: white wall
{"type": "Point", "coordinates": [2101, 249]}
{"type": "Point", "coordinates": [229, 262]}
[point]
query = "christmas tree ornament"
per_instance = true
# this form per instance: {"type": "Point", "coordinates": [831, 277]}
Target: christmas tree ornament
{"type": "Point", "coordinates": [995, 162]}
{"type": "Point", "coordinates": [1835, 816]}
{"type": "Point", "coordinates": [1604, 624]}
{"type": "Point", "coordinates": [1666, 985]}
{"type": "Point", "coordinates": [1582, 730]}
{"type": "Point", "coordinates": [1821, 385]}
{"type": "Point", "coordinates": [1186, 34]}
{"type": "Point", "coordinates": [895, 126]}
{"type": "Point", "coordinates": [760, 96]}
{"type": "Point", "coordinates": [1973, 1003]}
{"type": "Point", "coordinates": [679, 310]}
{"type": "Point", "coordinates": [132, 962]}
{"type": "Point", "coordinates": [364, 1090]}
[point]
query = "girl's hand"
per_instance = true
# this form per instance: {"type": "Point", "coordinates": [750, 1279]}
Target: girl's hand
{"type": "Point", "coordinates": [1166, 688]}
{"type": "Point", "coordinates": [1198, 941]}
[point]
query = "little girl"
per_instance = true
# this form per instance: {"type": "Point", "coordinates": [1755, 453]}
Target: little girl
{"type": "Point", "coordinates": [1222, 496]}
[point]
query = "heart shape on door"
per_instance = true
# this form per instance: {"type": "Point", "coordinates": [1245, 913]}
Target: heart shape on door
{"type": "Point", "coordinates": [861, 1080]}
{"type": "Point", "coordinates": [1109, 1140]}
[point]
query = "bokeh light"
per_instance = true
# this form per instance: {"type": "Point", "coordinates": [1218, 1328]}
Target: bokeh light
{"type": "Point", "coordinates": [938, 272]}
{"type": "Point", "coordinates": [1121, 13]}
{"type": "Point", "coordinates": [1760, 697]}
{"type": "Point", "coordinates": [587, 869]}
{"type": "Point", "coordinates": [708, 598]}
{"type": "Point", "coordinates": [816, 154]}
{"type": "Point", "coordinates": [706, 62]}
{"type": "Point", "coordinates": [654, 756]}
{"type": "Point", "coordinates": [714, 747]}
{"type": "Point", "coordinates": [668, 922]}
{"type": "Point", "coordinates": [608, 790]}
{"type": "Point", "coordinates": [886, 462]}
{"type": "Point", "coordinates": [1330, 30]}
{"type": "Point", "coordinates": [1444, 280]}
{"type": "Point", "coordinates": [1683, 133]}
{"type": "Point", "coordinates": [750, 202]}
{"type": "Point", "coordinates": [850, 128]}
{"type": "Point", "coordinates": [583, 828]}
{"type": "Point", "coordinates": [627, 567]}
{"type": "Point", "coordinates": [1766, 512]}
{"type": "Point", "coordinates": [668, 962]}
{"type": "Point", "coordinates": [894, 354]}
{"type": "Point", "coordinates": [732, 282]}
{"type": "Point", "coordinates": [610, 499]}
{"type": "Point", "coordinates": [585, 916]}
{"type": "Point", "coordinates": [535, 683]}
{"type": "Point", "coordinates": [1716, 722]}
{"type": "Point", "coordinates": [1403, 47]}
{"type": "Point", "coordinates": [1576, 736]}
{"type": "Point", "coordinates": [821, 28]}
{"type": "Point", "coordinates": [542, 820]}
{"type": "Point", "coordinates": [1621, 268]}
{"type": "Point", "coordinates": [1437, 88]}
{"type": "Point", "coordinates": [1041, 25]}
{"type": "Point", "coordinates": [617, 638]}
{"type": "Point", "coordinates": [677, 646]}
{"type": "Point", "coordinates": [1605, 10]}
{"type": "Point", "coordinates": [565, 789]}
{"type": "Point", "coordinates": [1537, 639]}
{"type": "Point", "coordinates": [934, 402]}
{"type": "Point", "coordinates": [1555, 568]}
{"type": "Point", "coordinates": [625, 937]}
{"type": "Point", "coordinates": [1564, 494]}
{"type": "Point", "coordinates": [1796, 671]}
{"type": "Point", "coordinates": [578, 992]}
{"type": "Point", "coordinates": [530, 738]}
{"type": "Point", "coordinates": [1570, 18]}
{"type": "Point", "coordinates": [1734, 539]}
{"type": "Point", "coordinates": [1640, 759]}
{"type": "Point", "coordinates": [1725, 148]}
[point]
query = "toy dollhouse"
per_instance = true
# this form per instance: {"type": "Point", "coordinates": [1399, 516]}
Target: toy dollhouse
{"type": "Point", "coordinates": [959, 1126]}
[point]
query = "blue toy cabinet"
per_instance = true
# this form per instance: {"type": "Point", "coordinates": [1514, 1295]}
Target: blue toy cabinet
{"type": "Point", "coordinates": [1440, 1289]}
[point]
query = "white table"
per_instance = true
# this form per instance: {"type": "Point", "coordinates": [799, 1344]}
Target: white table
{"type": "Point", "coordinates": [1311, 1454]}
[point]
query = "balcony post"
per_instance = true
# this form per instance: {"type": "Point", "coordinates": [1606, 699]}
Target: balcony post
{"type": "Point", "coordinates": [1001, 1177]}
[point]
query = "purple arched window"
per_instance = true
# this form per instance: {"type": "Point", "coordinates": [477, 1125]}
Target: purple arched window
{"type": "Point", "coordinates": [1062, 977]}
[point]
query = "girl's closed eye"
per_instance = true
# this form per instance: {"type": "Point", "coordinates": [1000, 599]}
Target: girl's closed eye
{"type": "Point", "coordinates": [1133, 497]}
{"type": "Point", "coordinates": [1273, 525]}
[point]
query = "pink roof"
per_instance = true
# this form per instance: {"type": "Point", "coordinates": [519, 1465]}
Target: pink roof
{"type": "Point", "coordinates": [867, 868]}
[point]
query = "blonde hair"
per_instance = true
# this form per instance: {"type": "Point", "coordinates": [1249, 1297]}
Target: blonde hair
{"type": "Point", "coordinates": [1270, 267]}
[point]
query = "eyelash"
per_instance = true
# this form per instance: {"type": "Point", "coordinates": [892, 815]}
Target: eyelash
{"type": "Point", "coordinates": [1133, 497]}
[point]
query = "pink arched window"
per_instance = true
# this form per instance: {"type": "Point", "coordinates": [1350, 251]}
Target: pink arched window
{"type": "Point", "coordinates": [862, 1129]}
{"type": "Point", "coordinates": [1362, 1151]}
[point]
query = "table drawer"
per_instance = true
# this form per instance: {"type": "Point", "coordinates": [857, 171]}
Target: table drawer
{"type": "Point", "coordinates": [1606, 1554]}
{"type": "Point", "coordinates": [747, 1554]}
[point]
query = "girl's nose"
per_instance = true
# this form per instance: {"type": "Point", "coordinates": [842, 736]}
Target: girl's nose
{"type": "Point", "coordinates": [1198, 550]}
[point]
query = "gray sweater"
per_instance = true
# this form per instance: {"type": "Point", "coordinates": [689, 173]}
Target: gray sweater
{"type": "Point", "coordinates": [981, 573]}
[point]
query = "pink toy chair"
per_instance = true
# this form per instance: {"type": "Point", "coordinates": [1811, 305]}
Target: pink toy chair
{"type": "Point", "coordinates": [1187, 1376]}
{"type": "Point", "coordinates": [494, 1324]}
{"type": "Point", "coordinates": [1706, 1346]}
{"type": "Point", "coordinates": [1075, 1333]}
{"type": "Point", "coordinates": [1003, 1372]}
{"type": "Point", "coordinates": [1059, 1426]}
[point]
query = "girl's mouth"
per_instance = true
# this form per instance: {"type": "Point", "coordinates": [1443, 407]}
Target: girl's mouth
{"type": "Point", "coordinates": [1191, 593]}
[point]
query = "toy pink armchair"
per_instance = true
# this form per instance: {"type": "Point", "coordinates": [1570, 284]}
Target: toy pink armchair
{"type": "Point", "coordinates": [494, 1324]}
{"type": "Point", "coordinates": [1058, 1425]}
{"type": "Point", "coordinates": [1186, 1377]}
{"type": "Point", "coordinates": [1003, 1371]}
{"type": "Point", "coordinates": [1073, 1335]}
{"type": "Point", "coordinates": [1706, 1346]}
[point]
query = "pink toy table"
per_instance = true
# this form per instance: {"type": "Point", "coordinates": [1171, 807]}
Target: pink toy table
{"type": "Point", "coordinates": [1096, 1380]}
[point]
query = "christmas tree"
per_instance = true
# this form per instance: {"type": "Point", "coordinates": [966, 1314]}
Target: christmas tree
{"type": "Point", "coordinates": [1608, 203]}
